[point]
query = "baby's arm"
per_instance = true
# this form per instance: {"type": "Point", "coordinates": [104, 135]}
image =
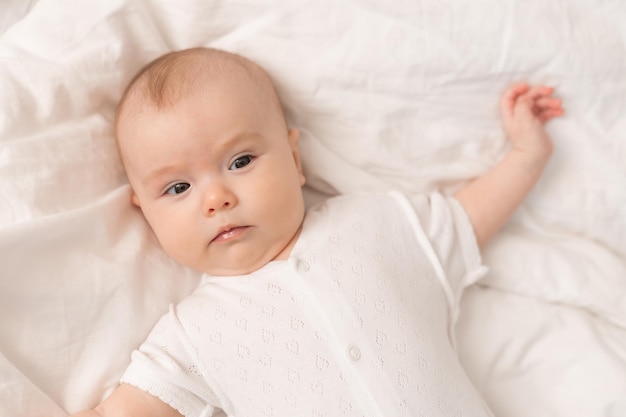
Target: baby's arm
{"type": "Point", "coordinates": [491, 199]}
{"type": "Point", "coordinates": [128, 401]}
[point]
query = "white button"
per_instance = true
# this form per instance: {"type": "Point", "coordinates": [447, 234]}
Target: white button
{"type": "Point", "coordinates": [354, 353]}
{"type": "Point", "coordinates": [303, 266]}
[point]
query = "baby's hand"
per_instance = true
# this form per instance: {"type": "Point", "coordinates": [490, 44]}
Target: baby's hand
{"type": "Point", "coordinates": [524, 111]}
{"type": "Point", "coordinates": [493, 197]}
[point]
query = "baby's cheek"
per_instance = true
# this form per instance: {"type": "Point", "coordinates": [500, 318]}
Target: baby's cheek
{"type": "Point", "coordinates": [170, 238]}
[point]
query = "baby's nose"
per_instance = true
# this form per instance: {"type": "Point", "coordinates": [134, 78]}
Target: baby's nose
{"type": "Point", "coordinates": [218, 198]}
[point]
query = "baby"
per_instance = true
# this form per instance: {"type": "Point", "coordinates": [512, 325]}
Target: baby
{"type": "Point", "coordinates": [344, 309]}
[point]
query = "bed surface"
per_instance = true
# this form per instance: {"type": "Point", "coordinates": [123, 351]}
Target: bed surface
{"type": "Point", "coordinates": [387, 95]}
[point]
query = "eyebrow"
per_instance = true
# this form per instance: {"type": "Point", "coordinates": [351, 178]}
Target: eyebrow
{"type": "Point", "coordinates": [153, 176]}
{"type": "Point", "coordinates": [243, 136]}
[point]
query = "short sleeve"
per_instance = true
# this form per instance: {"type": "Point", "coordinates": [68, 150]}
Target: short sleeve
{"type": "Point", "coordinates": [164, 368]}
{"type": "Point", "coordinates": [452, 237]}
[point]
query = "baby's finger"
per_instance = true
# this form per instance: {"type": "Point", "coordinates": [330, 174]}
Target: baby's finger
{"type": "Point", "coordinates": [551, 113]}
{"type": "Point", "coordinates": [510, 96]}
{"type": "Point", "coordinates": [547, 103]}
{"type": "Point", "coordinates": [540, 91]}
{"type": "Point", "coordinates": [516, 90]}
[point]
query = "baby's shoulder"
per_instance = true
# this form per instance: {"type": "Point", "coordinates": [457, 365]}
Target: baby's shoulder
{"type": "Point", "coordinates": [360, 215]}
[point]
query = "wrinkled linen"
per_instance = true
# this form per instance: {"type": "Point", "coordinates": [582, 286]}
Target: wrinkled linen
{"type": "Point", "coordinates": [387, 95]}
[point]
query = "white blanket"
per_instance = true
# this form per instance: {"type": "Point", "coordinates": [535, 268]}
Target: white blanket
{"type": "Point", "coordinates": [388, 94]}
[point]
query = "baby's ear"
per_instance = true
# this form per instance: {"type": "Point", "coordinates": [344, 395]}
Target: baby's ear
{"type": "Point", "coordinates": [294, 136]}
{"type": "Point", "coordinates": [135, 200]}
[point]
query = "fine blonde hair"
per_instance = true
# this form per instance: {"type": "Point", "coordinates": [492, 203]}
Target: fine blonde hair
{"type": "Point", "coordinates": [176, 75]}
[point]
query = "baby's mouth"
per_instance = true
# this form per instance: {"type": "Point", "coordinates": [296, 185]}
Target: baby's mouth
{"type": "Point", "coordinates": [229, 233]}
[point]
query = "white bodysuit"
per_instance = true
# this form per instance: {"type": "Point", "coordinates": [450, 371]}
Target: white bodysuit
{"type": "Point", "coordinates": [357, 322]}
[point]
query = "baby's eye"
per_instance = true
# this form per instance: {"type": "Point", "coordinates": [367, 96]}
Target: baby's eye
{"type": "Point", "coordinates": [178, 188]}
{"type": "Point", "coordinates": [241, 162]}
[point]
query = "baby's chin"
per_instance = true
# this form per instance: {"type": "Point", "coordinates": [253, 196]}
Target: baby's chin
{"type": "Point", "coordinates": [241, 254]}
{"type": "Point", "coordinates": [241, 260]}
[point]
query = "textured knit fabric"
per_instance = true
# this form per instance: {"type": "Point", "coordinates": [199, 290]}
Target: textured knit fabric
{"type": "Point", "coordinates": [357, 321]}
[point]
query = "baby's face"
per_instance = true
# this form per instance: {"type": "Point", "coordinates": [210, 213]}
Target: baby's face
{"type": "Point", "coordinates": [218, 179]}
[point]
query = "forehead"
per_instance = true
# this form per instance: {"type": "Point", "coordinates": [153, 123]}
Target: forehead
{"type": "Point", "coordinates": [218, 101]}
{"type": "Point", "coordinates": [211, 114]}
{"type": "Point", "coordinates": [225, 90]}
{"type": "Point", "coordinates": [231, 83]}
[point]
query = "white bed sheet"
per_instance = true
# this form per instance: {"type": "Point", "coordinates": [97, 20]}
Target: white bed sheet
{"type": "Point", "coordinates": [387, 94]}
